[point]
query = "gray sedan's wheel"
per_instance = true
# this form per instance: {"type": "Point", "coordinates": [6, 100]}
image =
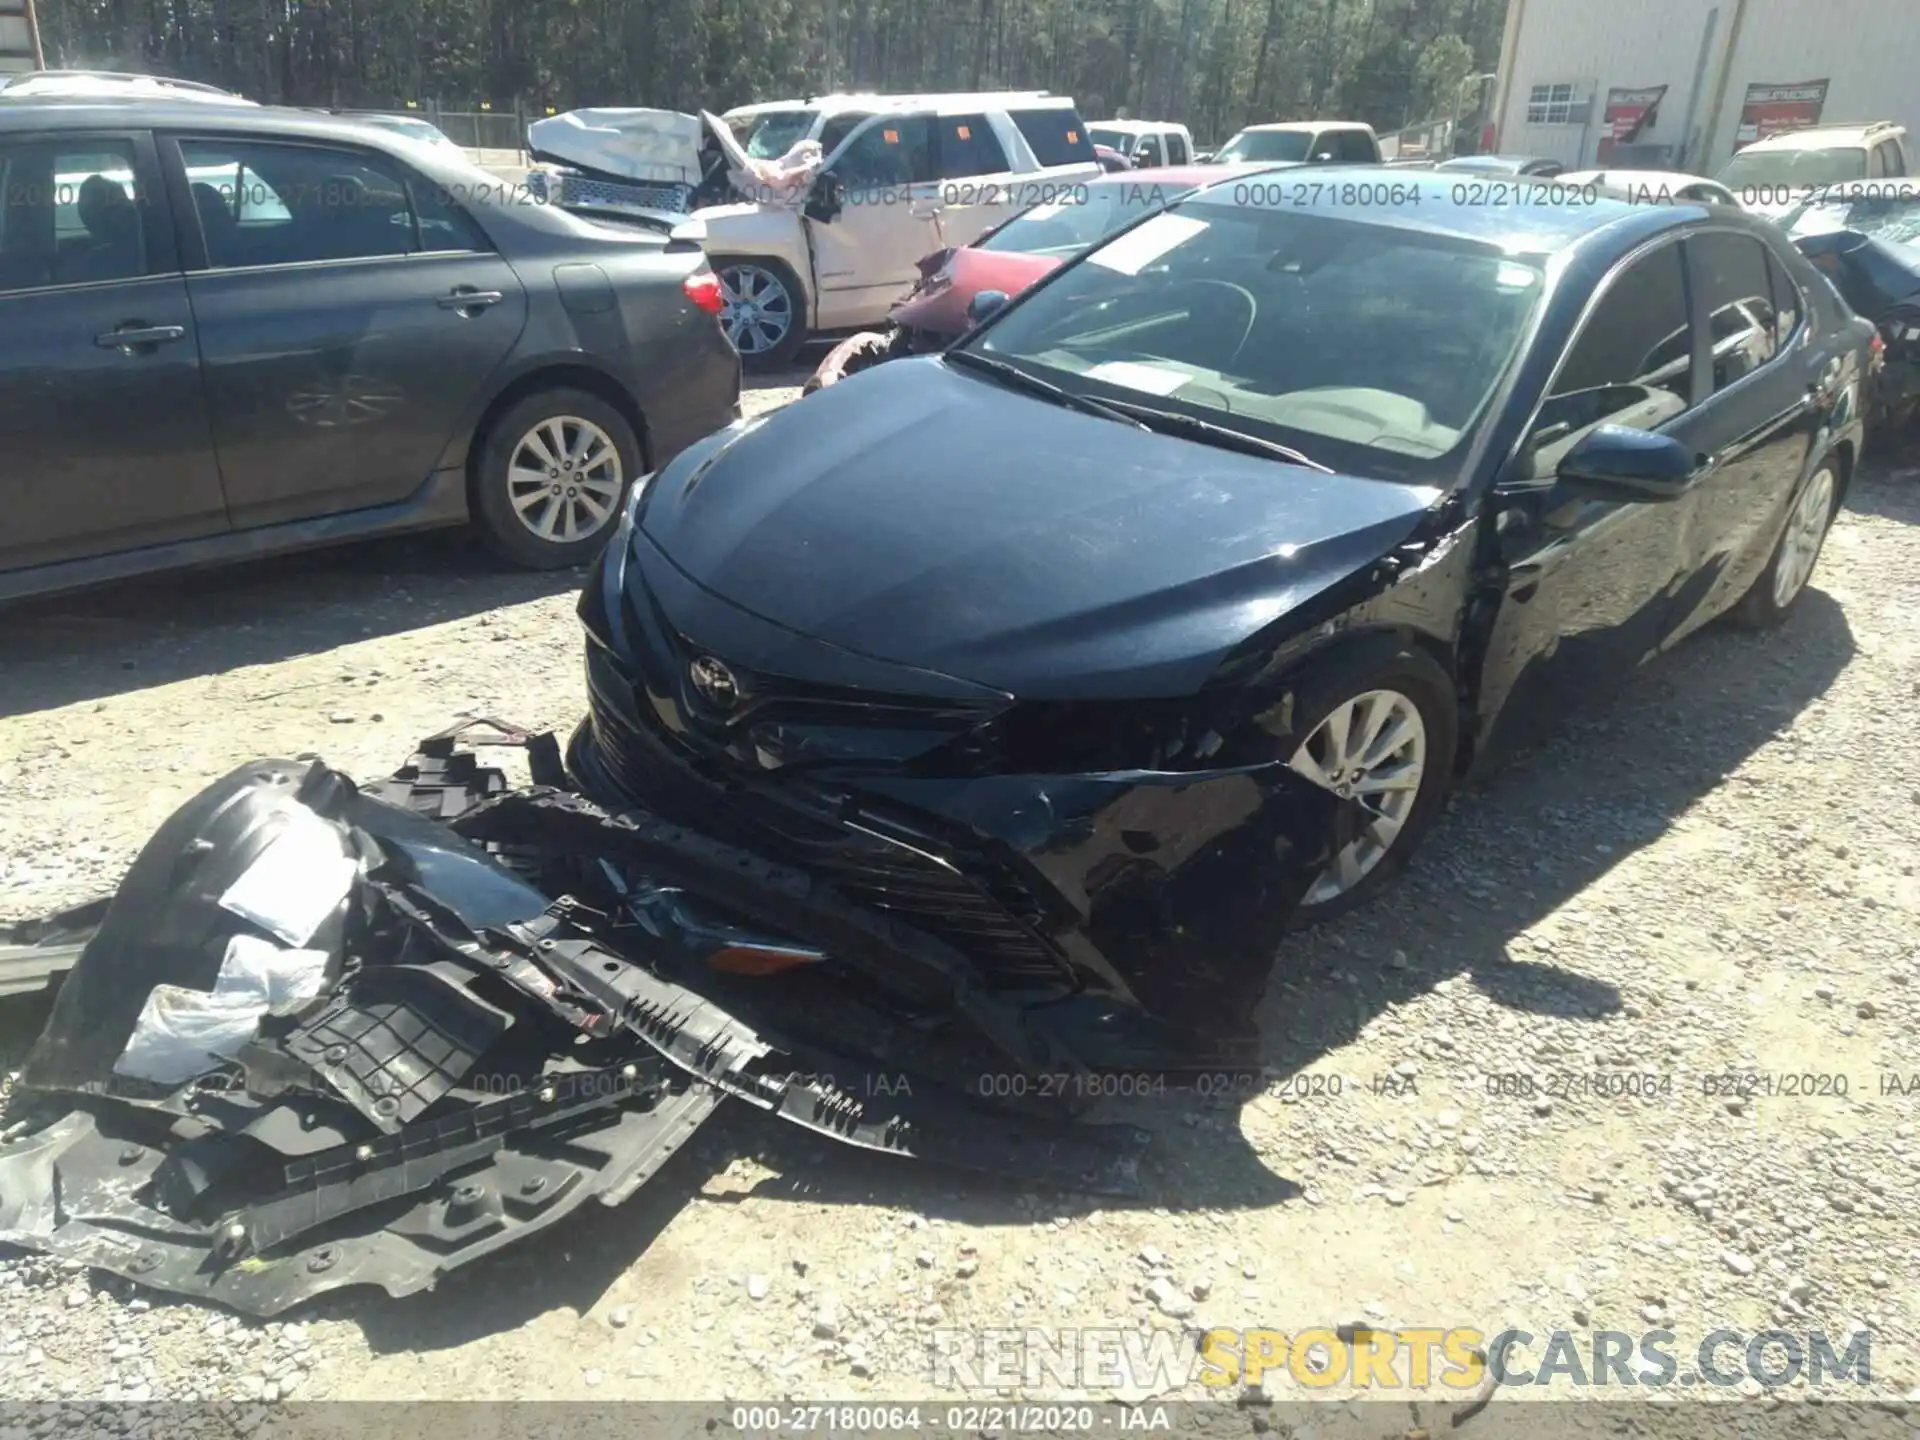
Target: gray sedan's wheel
{"type": "Point", "coordinates": [1796, 553]}
{"type": "Point", "coordinates": [764, 313]}
{"type": "Point", "coordinates": [1379, 725]}
{"type": "Point", "coordinates": [552, 476]}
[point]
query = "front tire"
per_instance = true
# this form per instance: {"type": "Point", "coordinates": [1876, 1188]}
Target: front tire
{"type": "Point", "coordinates": [765, 314]}
{"type": "Point", "coordinates": [553, 473]}
{"type": "Point", "coordinates": [1380, 724]}
{"type": "Point", "coordinates": [1784, 580]}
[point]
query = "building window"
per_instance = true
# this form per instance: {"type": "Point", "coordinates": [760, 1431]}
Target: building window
{"type": "Point", "coordinates": [1551, 105]}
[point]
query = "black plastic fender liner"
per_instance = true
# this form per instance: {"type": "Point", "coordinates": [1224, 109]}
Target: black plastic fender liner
{"type": "Point", "coordinates": [33, 953]}
{"type": "Point", "coordinates": [165, 925]}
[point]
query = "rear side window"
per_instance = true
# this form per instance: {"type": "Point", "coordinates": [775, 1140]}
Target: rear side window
{"type": "Point", "coordinates": [265, 203]}
{"type": "Point", "coordinates": [1177, 151]}
{"type": "Point", "coordinates": [966, 146]}
{"type": "Point", "coordinates": [1056, 135]}
{"type": "Point", "coordinates": [1730, 272]}
{"type": "Point", "coordinates": [836, 130]}
{"type": "Point", "coordinates": [70, 212]}
{"type": "Point", "coordinates": [1351, 146]}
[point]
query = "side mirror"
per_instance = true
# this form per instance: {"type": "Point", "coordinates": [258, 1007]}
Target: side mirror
{"type": "Point", "coordinates": [1613, 462]}
{"type": "Point", "coordinates": [985, 305]}
{"type": "Point", "coordinates": [826, 199]}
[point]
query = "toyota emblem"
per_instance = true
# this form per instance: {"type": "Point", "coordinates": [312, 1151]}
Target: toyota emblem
{"type": "Point", "coordinates": [715, 683]}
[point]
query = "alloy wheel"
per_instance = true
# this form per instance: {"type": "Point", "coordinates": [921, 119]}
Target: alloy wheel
{"type": "Point", "coordinates": [1806, 533]}
{"type": "Point", "coordinates": [565, 479]}
{"type": "Point", "coordinates": [1373, 749]}
{"type": "Point", "coordinates": [757, 312]}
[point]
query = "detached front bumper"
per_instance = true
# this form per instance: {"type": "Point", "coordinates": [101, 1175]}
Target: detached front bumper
{"type": "Point", "coordinates": [325, 1036]}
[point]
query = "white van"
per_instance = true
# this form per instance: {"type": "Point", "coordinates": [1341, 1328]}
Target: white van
{"type": "Point", "coordinates": [896, 177]}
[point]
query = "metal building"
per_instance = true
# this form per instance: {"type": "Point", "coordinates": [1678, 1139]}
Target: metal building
{"type": "Point", "coordinates": [1680, 84]}
{"type": "Point", "coordinates": [19, 37]}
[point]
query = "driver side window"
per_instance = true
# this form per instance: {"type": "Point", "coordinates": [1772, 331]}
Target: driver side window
{"type": "Point", "coordinates": [1631, 363]}
{"type": "Point", "coordinates": [893, 151]}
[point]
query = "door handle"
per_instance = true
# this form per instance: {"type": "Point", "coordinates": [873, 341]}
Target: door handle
{"type": "Point", "coordinates": [470, 299]}
{"type": "Point", "coordinates": [130, 337]}
{"type": "Point", "coordinates": [925, 209]}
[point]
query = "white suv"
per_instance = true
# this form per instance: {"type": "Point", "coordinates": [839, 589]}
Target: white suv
{"type": "Point", "coordinates": [814, 212]}
{"type": "Point", "coordinates": [899, 177]}
{"type": "Point", "coordinates": [1773, 175]}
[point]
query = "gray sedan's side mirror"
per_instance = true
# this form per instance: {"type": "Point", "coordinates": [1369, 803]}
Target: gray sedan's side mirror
{"type": "Point", "coordinates": [985, 305]}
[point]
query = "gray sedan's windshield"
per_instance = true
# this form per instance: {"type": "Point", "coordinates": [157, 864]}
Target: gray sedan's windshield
{"type": "Point", "coordinates": [1327, 334]}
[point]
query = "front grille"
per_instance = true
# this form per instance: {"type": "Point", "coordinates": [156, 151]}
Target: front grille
{"type": "Point", "coordinates": [929, 882]}
{"type": "Point", "coordinates": [570, 190]}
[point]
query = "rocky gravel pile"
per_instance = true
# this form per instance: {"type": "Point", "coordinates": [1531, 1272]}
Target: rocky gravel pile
{"type": "Point", "coordinates": [1635, 1045]}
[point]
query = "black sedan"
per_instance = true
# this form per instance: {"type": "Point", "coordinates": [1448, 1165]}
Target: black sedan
{"type": "Point", "coordinates": [229, 331]}
{"type": "Point", "coordinates": [1165, 608]}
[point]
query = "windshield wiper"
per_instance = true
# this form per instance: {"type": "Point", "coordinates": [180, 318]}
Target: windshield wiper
{"type": "Point", "coordinates": [1034, 385]}
{"type": "Point", "coordinates": [1172, 422]}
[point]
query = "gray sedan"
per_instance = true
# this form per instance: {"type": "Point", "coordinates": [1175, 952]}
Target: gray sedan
{"type": "Point", "coordinates": [235, 331]}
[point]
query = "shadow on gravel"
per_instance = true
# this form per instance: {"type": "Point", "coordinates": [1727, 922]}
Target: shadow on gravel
{"type": "Point", "coordinates": [203, 622]}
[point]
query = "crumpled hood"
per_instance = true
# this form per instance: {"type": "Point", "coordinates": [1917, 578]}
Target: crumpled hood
{"type": "Point", "coordinates": [923, 515]}
{"type": "Point", "coordinates": [662, 146]}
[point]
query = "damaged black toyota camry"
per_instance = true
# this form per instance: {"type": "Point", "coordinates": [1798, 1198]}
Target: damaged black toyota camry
{"type": "Point", "coordinates": [961, 742]}
{"type": "Point", "coordinates": [1050, 645]}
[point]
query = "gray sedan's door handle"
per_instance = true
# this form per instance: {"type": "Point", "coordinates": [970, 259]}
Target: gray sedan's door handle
{"type": "Point", "coordinates": [465, 299]}
{"type": "Point", "coordinates": [130, 336]}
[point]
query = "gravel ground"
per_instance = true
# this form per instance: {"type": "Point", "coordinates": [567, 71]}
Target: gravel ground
{"type": "Point", "coordinates": [1717, 873]}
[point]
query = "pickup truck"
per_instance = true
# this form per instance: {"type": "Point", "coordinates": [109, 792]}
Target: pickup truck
{"type": "Point", "coordinates": [1303, 142]}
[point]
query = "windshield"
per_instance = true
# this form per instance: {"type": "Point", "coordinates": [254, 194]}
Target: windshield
{"type": "Point", "coordinates": [1369, 346]}
{"type": "Point", "coordinates": [1112, 139]}
{"type": "Point", "coordinates": [1793, 168]}
{"type": "Point", "coordinates": [1265, 145]}
{"type": "Point", "coordinates": [769, 135]}
{"type": "Point", "coordinates": [1893, 219]}
{"type": "Point", "coordinates": [1068, 226]}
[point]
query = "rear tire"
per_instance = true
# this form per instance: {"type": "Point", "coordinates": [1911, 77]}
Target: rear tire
{"type": "Point", "coordinates": [553, 473]}
{"type": "Point", "coordinates": [1796, 553]}
{"type": "Point", "coordinates": [1401, 692]}
{"type": "Point", "coordinates": [766, 310]}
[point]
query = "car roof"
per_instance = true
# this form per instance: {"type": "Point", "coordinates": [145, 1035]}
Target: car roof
{"type": "Point", "coordinates": [112, 85]}
{"type": "Point", "coordinates": [1189, 175]}
{"type": "Point", "coordinates": [166, 113]}
{"type": "Point", "coordinates": [1637, 179]}
{"type": "Point", "coordinates": [1308, 125]}
{"type": "Point", "coordinates": [1823, 137]}
{"type": "Point", "coordinates": [954, 102]}
{"type": "Point", "coordinates": [1523, 226]}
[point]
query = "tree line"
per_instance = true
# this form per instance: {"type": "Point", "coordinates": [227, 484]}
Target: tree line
{"type": "Point", "coordinates": [1214, 64]}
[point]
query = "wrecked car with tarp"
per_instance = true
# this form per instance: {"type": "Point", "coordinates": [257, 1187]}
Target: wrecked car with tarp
{"type": "Point", "coordinates": [1865, 237]}
{"type": "Point", "coordinates": [986, 721]}
{"type": "Point", "coordinates": [812, 212]}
